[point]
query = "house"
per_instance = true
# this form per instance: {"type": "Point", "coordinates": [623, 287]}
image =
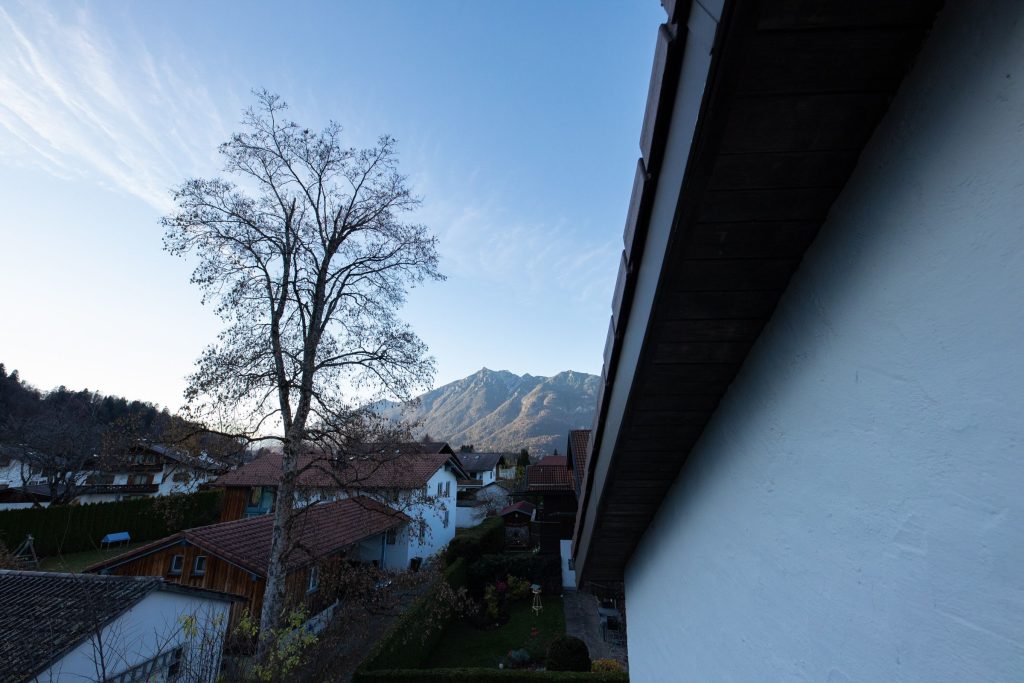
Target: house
{"type": "Point", "coordinates": [518, 518]}
{"type": "Point", "coordinates": [28, 496]}
{"type": "Point", "coordinates": [417, 479]}
{"type": "Point", "coordinates": [487, 490]}
{"type": "Point", "coordinates": [80, 627]}
{"type": "Point", "coordinates": [232, 556]}
{"type": "Point", "coordinates": [484, 467]}
{"type": "Point", "coordinates": [16, 469]}
{"type": "Point", "coordinates": [549, 482]}
{"type": "Point", "coordinates": [806, 458]}
{"type": "Point", "coordinates": [148, 470]}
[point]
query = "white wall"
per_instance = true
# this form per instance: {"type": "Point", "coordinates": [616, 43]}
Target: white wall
{"type": "Point", "coordinates": [433, 511]}
{"type": "Point", "coordinates": [149, 628]}
{"type": "Point", "coordinates": [855, 510]}
{"type": "Point", "coordinates": [467, 517]}
{"type": "Point", "coordinates": [565, 555]}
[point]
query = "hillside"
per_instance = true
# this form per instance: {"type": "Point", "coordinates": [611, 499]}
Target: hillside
{"type": "Point", "coordinates": [499, 410]}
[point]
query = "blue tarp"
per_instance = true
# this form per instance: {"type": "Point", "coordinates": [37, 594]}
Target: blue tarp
{"type": "Point", "coordinates": [119, 537]}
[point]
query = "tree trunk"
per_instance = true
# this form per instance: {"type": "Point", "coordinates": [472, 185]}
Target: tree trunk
{"type": "Point", "coordinates": [273, 594]}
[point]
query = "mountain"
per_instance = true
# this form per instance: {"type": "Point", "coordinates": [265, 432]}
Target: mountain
{"type": "Point", "coordinates": [496, 410]}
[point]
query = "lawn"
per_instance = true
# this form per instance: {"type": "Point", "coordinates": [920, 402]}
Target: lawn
{"type": "Point", "coordinates": [76, 562]}
{"type": "Point", "coordinates": [466, 646]}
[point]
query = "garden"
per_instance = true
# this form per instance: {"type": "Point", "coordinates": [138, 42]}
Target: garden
{"type": "Point", "coordinates": [480, 622]}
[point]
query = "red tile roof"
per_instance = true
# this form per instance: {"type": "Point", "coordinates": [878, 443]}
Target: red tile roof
{"type": "Point", "coordinates": [579, 442]}
{"type": "Point", "coordinates": [319, 531]}
{"type": "Point", "coordinates": [375, 471]}
{"type": "Point", "coordinates": [550, 474]}
{"type": "Point", "coordinates": [522, 506]}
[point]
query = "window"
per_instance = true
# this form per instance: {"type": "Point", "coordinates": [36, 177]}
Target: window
{"type": "Point", "coordinates": [440, 489]}
{"type": "Point", "coordinates": [255, 495]}
{"type": "Point", "coordinates": [447, 488]}
{"type": "Point", "coordinates": [426, 491]}
{"type": "Point", "coordinates": [422, 530]}
{"type": "Point", "coordinates": [140, 479]}
{"type": "Point", "coordinates": [199, 568]}
{"type": "Point", "coordinates": [176, 562]}
{"type": "Point", "coordinates": [445, 520]}
{"type": "Point", "coordinates": [392, 536]}
{"type": "Point", "coordinates": [314, 579]}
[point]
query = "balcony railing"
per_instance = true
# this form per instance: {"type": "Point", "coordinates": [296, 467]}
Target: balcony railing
{"type": "Point", "coordinates": [122, 488]}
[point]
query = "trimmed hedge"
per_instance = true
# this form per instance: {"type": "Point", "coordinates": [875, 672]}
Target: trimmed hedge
{"type": "Point", "coordinates": [74, 528]}
{"type": "Point", "coordinates": [486, 537]}
{"type": "Point", "coordinates": [485, 676]}
{"type": "Point", "coordinates": [416, 633]}
{"type": "Point", "coordinates": [545, 570]}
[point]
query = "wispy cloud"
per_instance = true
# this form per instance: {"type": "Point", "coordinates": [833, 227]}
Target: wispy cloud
{"type": "Point", "coordinates": [481, 239]}
{"type": "Point", "coordinates": [79, 104]}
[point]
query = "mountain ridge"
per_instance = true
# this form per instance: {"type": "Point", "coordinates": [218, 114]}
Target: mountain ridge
{"type": "Point", "coordinates": [498, 410]}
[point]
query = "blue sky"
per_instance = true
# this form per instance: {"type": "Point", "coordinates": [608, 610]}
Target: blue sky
{"type": "Point", "coordinates": [517, 122]}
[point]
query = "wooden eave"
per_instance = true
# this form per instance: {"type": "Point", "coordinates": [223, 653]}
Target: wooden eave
{"type": "Point", "coordinates": [794, 92]}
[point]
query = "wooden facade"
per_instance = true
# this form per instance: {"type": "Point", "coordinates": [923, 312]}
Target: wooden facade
{"type": "Point", "coordinates": [235, 500]}
{"type": "Point", "coordinates": [222, 575]}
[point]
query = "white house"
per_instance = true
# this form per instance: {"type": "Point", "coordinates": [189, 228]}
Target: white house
{"type": "Point", "coordinates": [149, 470]}
{"type": "Point", "coordinates": [485, 467]}
{"type": "Point", "coordinates": [806, 462]}
{"type": "Point", "coordinates": [109, 628]}
{"type": "Point", "coordinates": [419, 480]}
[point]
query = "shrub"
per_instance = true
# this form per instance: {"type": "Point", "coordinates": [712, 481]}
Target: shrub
{"type": "Point", "coordinates": [541, 569]}
{"type": "Point", "coordinates": [609, 665]}
{"type": "Point", "coordinates": [486, 537]}
{"type": "Point", "coordinates": [73, 528]}
{"type": "Point", "coordinates": [519, 589]}
{"type": "Point", "coordinates": [485, 676]}
{"type": "Point", "coordinates": [518, 659]}
{"type": "Point", "coordinates": [415, 634]}
{"type": "Point", "coordinates": [568, 653]}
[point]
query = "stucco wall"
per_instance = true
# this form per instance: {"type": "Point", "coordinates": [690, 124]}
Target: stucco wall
{"type": "Point", "coordinates": [149, 628]}
{"type": "Point", "coordinates": [434, 511]}
{"type": "Point", "coordinates": [855, 510]}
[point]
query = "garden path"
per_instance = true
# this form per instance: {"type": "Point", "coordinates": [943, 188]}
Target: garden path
{"type": "Point", "coordinates": [582, 621]}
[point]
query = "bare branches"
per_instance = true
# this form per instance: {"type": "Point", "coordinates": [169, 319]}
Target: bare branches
{"type": "Point", "coordinates": [306, 257]}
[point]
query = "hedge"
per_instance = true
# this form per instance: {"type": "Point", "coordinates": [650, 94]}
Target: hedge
{"type": "Point", "coordinates": [486, 537]}
{"type": "Point", "coordinates": [74, 528]}
{"type": "Point", "coordinates": [545, 570]}
{"type": "Point", "coordinates": [485, 676]}
{"type": "Point", "coordinates": [416, 633]}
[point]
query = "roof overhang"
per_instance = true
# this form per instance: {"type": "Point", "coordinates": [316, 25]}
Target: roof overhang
{"type": "Point", "coordinates": [755, 119]}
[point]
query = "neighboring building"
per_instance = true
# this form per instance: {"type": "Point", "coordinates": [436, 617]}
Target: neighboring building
{"type": "Point", "coordinates": [486, 491]}
{"type": "Point", "coordinates": [550, 482]}
{"type": "Point", "coordinates": [576, 453]}
{"type": "Point", "coordinates": [232, 556]}
{"type": "Point", "coordinates": [518, 518]}
{"type": "Point", "coordinates": [63, 628]}
{"type": "Point", "coordinates": [418, 479]}
{"type": "Point", "coordinates": [484, 467]}
{"type": "Point", "coordinates": [21, 497]}
{"type": "Point", "coordinates": [806, 463]}
{"type": "Point", "coordinates": [16, 471]}
{"type": "Point", "coordinates": [148, 470]}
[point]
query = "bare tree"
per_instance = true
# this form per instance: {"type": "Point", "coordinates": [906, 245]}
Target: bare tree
{"type": "Point", "coordinates": [307, 260]}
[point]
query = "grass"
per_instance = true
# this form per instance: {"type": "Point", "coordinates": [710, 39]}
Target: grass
{"type": "Point", "coordinates": [76, 562]}
{"type": "Point", "coordinates": [466, 646]}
